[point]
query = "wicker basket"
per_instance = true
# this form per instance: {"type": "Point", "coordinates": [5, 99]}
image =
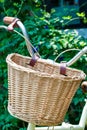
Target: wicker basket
{"type": "Point", "coordinates": [40, 94]}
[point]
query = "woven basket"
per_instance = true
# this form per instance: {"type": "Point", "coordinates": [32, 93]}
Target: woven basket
{"type": "Point", "coordinates": [40, 94]}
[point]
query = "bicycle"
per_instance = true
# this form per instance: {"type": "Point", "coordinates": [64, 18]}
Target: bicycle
{"type": "Point", "coordinates": [65, 126]}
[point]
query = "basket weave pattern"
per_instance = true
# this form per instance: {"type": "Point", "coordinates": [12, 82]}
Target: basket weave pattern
{"type": "Point", "coordinates": [40, 94]}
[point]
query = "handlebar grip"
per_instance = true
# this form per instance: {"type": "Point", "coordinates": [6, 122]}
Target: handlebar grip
{"type": "Point", "coordinates": [84, 86]}
{"type": "Point", "coordinates": [8, 20]}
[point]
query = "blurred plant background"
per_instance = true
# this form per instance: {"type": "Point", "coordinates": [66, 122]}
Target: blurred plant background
{"type": "Point", "coordinates": [49, 37]}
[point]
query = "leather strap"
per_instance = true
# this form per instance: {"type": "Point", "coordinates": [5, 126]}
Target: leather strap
{"type": "Point", "coordinates": [32, 62]}
{"type": "Point", "coordinates": [63, 68]}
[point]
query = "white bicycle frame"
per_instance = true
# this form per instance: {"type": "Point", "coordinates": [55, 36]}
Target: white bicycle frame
{"type": "Point", "coordinates": [64, 126]}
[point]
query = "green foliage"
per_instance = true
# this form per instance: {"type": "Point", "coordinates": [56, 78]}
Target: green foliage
{"type": "Point", "coordinates": [45, 34]}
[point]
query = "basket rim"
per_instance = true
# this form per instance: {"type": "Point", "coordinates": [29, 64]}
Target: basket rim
{"type": "Point", "coordinates": [43, 74]}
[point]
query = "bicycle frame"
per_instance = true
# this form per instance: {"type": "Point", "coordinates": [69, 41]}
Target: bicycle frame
{"type": "Point", "coordinates": [64, 126]}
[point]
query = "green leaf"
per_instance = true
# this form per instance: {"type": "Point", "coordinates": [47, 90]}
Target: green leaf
{"type": "Point", "coordinates": [85, 20]}
{"type": "Point", "coordinates": [67, 17]}
{"type": "Point", "coordinates": [82, 14]}
{"type": "Point", "coordinates": [22, 129]}
{"type": "Point", "coordinates": [6, 126]}
{"type": "Point", "coordinates": [2, 1]}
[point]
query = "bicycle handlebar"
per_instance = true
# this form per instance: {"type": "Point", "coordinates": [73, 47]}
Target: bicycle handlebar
{"type": "Point", "coordinates": [12, 21]}
{"type": "Point", "coordinates": [77, 56]}
{"type": "Point", "coordinates": [16, 22]}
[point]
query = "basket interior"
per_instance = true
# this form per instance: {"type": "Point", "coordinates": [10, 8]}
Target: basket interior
{"type": "Point", "coordinates": [42, 66]}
